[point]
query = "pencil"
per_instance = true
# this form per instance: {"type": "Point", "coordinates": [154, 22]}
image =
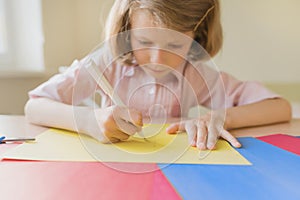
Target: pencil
{"type": "Point", "coordinates": [107, 88]}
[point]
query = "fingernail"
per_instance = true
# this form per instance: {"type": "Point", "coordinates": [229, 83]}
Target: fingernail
{"type": "Point", "coordinates": [168, 130]}
{"type": "Point", "coordinates": [210, 146]}
{"type": "Point", "coordinates": [237, 144]}
{"type": "Point", "coordinates": [193, 143]}
{"type": "Point", "coordinates": [201, 146]}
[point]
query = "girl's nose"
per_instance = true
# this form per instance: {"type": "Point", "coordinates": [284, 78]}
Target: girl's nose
{"type": "Point", "coordinates": [158, 56]}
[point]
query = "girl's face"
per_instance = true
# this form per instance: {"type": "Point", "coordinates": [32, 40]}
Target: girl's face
{"type": "Point", "coordinates": [157, 49]}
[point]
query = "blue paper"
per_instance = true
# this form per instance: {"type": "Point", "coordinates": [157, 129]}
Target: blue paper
{"type": "Point", "coordinates": [274, 174]}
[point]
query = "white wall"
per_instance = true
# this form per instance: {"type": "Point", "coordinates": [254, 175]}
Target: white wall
{"type": "Point", "coordinates": [261, 40]}
{"type": "Point", "coordinates": [91, 15]}
{"type": "Point", "coordinates": [261, 43]}
{"type": "Point", "coordinates": [71, 29]}
{"type": "Point", "coordinates": [22, 35]}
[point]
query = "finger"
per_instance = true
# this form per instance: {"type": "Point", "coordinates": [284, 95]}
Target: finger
{"type": "Point", "coordinates": [175, 127]}
{"type": "Point", "coordinates": [115, 136]}
{"type": "Point", "coordinates": [191, 131]}
{"type": "Point", "coordinates": [128, 120]}
{"type": "Point", "coordinates": [120, 135]}
{"type": "Point", "coordinates": [232, 140]}
{"type": "Point", "coordinates": [131, 115]}
{"type": "Point", "coordinates": [113, 140]}
{"type": "Point", "coordinates": [108, 138]}
{"type": "Point", "coordinates": [201, 135]}
{"type": "Point", "coordinates": [127, 127]}
{"type": "Point", "coordinates": [212, 137]}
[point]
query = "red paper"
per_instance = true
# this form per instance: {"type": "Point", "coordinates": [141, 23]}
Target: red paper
{"type": "Point", "coordinates": [162, 188]}
{"type": "Point", "coordinates": [286, 142]}
{"type": "Point", "coordinates": [80, 180]}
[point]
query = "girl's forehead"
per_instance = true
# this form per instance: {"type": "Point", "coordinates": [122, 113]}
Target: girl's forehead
{"type": "Point", "coordinates": [144, 24]}
{"type": "Point", "coordinates": [142, 18]}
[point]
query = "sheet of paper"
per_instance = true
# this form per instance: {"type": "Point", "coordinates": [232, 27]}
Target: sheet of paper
{"type": "Point", "coordinates": [286, 142]}
{"type": "Point", "coordinates": [274, 175]}
{"type": "Point", "coordinates": [80, 180]}
{"type": "Point", "coordinates": [58, 145]}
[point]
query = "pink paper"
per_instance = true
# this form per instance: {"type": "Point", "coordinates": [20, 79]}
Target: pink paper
{"type": "Point", "coordinates": [163, 188]}
{"type": "Point", "coordinates": [79, 180]}
{"type": "Point", "coordinates": [286, 142]}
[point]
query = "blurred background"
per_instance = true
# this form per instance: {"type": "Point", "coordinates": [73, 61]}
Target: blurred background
{"type": "Point", "coordinates": [261, 43]}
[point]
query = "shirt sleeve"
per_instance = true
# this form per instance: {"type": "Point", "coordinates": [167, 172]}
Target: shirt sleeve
{"type": "Point", "coordinates": [223, 90]}
{"type": "Point", "coordinates": [70, 87]}
{"type": "Point", "coordinates": [244, 92]}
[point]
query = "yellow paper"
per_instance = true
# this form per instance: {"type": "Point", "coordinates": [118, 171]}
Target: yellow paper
{"type": "Point", "coordinates": [59, 145]}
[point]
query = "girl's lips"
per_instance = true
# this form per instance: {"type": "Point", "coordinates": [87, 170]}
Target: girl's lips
{"type": "Point", "coordinates": [157, 72]}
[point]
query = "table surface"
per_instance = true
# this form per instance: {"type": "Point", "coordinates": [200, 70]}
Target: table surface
{"type": "Point", "coordinates": [13, 126]}
{"type": "Point", "coordinates": [50, 173]}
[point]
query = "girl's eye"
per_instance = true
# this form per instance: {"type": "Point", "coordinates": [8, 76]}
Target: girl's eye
{"type": "Point", "coordinates": [174, 46]}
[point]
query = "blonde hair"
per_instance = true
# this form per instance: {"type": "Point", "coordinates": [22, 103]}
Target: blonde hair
{"type": "Point", "coordinates": [200, 16]}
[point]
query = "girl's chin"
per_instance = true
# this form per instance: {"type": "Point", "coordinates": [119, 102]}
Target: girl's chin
{"type": "Point", "coordinates": [158, 74]}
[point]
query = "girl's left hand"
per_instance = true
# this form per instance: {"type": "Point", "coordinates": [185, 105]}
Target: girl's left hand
{"type": "Point", "coordinates": [205, 131]}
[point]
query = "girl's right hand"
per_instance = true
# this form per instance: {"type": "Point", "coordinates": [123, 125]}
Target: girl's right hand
{"type": "Point", "coordinates": [114, 124]}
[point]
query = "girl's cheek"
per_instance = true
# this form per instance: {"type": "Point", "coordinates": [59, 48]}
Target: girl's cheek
{"type": "Point", "coordinates": [141, 57]}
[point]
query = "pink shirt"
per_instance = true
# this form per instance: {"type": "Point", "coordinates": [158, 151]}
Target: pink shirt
{"type": "Point", "coordinates": [173, 96]}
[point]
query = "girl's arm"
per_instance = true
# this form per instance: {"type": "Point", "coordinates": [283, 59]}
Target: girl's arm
{"type": "Point", "coordinates": [260, 113]}
{"type": "Point", "coordinates": [105, 124]}
{"type": "Point", "coordinates": [204, 132]}
{"type": "Point", "coordinates": [50, 113]}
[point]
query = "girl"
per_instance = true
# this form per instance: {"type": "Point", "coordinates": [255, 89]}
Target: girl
{"type": "Point", "coordinates": [157, 68]}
